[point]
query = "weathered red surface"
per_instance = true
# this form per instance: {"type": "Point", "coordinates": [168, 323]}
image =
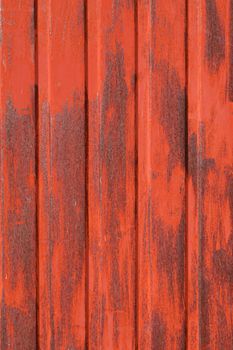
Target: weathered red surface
{"type": "Point", "coordinates": [17, 167]}
{"type": "Point", "coordinates": [116, 174]}
{"type": "Point", "coordinates": [161, 174]}
{"type": "Point", "coordinates": [210, 190]}
{"type": "Point", "coordinates": [61, 175]}
{"type": "Point", "coordinates": [111, 174]}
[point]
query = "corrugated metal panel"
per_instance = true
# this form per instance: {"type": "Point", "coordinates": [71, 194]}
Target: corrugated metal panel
{"type": "Point", "coordinates": [116, 174]}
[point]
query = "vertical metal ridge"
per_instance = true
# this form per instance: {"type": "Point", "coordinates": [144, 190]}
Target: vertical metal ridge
{"type": "Point", "coordinates": [36, 116]}
{"type": "Point", "coordinates": [136, 173]}
{"type": "Point", "coordinates": [86, 175]}
{"type": "Point", "coordinates": [186, 145]}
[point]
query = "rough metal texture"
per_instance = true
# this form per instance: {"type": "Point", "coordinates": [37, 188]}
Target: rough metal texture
{"type": "Point", "coordinates": [116, 176]}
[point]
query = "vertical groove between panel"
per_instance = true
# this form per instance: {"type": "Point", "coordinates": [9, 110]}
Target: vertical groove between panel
{"type": "Point", "coordinates": [86, 175]}
{"type": "Point", "coordinates": [36, 92]}
{"type": "Point", "coordinates": [199, 175]}
{"type": "Point", "coordinates": [2, 187]}
{"type": "Point", "coordinates": [186, 137]}
{"type": "Point", "coordinates": [136, 172]}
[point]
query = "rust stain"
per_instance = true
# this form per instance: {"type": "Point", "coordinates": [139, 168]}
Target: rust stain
{"type": "Point", "coordinates": [116, 225]}
{"type": "Point", "coordinates": [215, 36]}
{"type": "Point", "coordinates": [230, 86]}
{"type": "Point", "coordinates": [173, 115]}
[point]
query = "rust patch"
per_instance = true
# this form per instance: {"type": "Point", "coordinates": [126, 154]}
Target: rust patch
{"type": "Point", "coordinates": [113, 150]}
{"type": "Point", "coordinates": [20, 158]}
{"type": "Point", "coordinates": [223, 258]}
{"type": "Point", "coordinates": [205, 295]}
{"type": "Point", "coordinates": [158, 332]}
{"type": "Point", "coordinates": [19, 226]}
{"type": "Point", "coordinates": [197, 162]}
{"type": "Point", "coordinates": [215, 38]}
{"type": "Point", "coordinates": [224, 332]}
{"type": "Point", "coordinates": [193, 160]}
{"type": "Point", "coordinates": [204, 166]}
{"type": "Point", "coordinates": [170, 253]}
{"type": "Point", "coordinates": [173, 101]}
{"type": "Point", "coordinates": [223, 262]}
{"type": "Point", "coordinates": [24, 329]}
{"type": "Point", "coordinates": [68, 209]}
{"type": "Point", "coordinates": [231, 54]}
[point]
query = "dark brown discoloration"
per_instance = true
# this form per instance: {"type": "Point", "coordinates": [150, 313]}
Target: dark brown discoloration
{"type": "Point", "coordinates": [204, 166]}
{"type": "Point", "coordinates": [45, 174]}
{"type": "Point", "coordinates": [223, 263]}
{"type": "Point", "coordinates": [99, 309]}
{"type": "Point", "coordinates": [168, 239]}
{"type": "Point", "coordinates": [199, 166]}
{"type": "Point", "coordinates": [182, 336]}
{"type": "Point", "coordinates": [180, 256]}
{"type": "Point", "coordinates": [68, 211]}
{"type": "Point", "coordinates": [230, 87]}
{"type": "Point", "coordinates": [204, 295]}
{"type": "Point", "coordinates": [192, 159]}
{"type": "Point", "coordinates": [113, 137]}
{"type": "Point", "coordinates": [153, 34]}
{"type": "Point", "coordinates": [158, 332]}
{"type": "Point", "coordinates": [119, 5]}
{"type": "Point", "coordinates": [224, 335]}
{"type": "Point", "coordinates": [24, 328]}
{"type": "Point", "coordinates": [21, 217]}
{"type": "Point", "coordinates": [114, 118]}
{"type": "Point", "coordinates": [111, 176]}
{"type": "Point", "coordinates": [230, 196]}
{"type": "Point", "coordinates": [223, 258]}
{"type": "Point", "coordinates": [170, 253]}
{"type": "Point", "coordinates": [215, 39]}
{"type": "Point", "coordinates": [33, 26]}
{"type": "Point", "coordinates": [153, 13]}
{"type": "Point", "coordinates": [197, 160]}
{"type": "Point", "coordinates": [19, 228]}
{"type": "Point", "coordinates": [173, 101]}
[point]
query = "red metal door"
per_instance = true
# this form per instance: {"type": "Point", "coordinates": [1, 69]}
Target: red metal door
{"type": "Point", "coordinates": [116, 154]}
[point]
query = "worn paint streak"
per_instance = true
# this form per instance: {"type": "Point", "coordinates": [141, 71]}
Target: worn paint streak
{"type": "Point", "coordinates": [210, 164]}
{"type": "Point", "coordinates": [206, 165]}
{"type": "Point", "coordinates": [111, 174]}
{"type": "Point", "coordinates": [17, 167]}
{"type": "Point", "coordinates": [68, 218]}
{"type": "Point", "coordinates": [161, 175]}
{"type": "Point", "coordinates": [172, 115]}
{"type": "Point", "coordinates": [116, 225]}
{"type": "Point", "coordinates": [62, 172]}
{"type": "Point", "coordinates": [223, 257]}
{"type": "Point", "coordinates": [19, 225]}
{"type": "Point", "coordinates": [215, 38]}
{"type": "Point", "coordinates": [230, 87]}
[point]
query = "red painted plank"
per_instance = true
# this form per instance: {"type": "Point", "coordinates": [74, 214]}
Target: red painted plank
{"type": "Point", "coordinates": [17, 159]}
{"type": "Point", "coordinates": [211, 173]}
{"type": "Point", "coordinates": [161, 174]}
{"type": "Point", "coordinates": [61, 174]}
{"type": "Point", "coordinates": [111, 175]}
